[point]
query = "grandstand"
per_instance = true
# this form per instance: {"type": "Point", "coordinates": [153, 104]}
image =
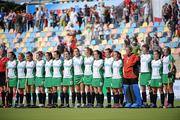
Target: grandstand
{"type": "Point", "coordinates": [47, 39]}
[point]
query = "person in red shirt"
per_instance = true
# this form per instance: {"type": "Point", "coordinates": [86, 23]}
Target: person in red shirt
{"type": "Point", "coordinates": [130, 73]}
{"type": "Point", "coordinates": [3, 61]}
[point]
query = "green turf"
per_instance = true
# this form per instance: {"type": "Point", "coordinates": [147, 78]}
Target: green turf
{"type": "Point", "coordinates": [90, 114]}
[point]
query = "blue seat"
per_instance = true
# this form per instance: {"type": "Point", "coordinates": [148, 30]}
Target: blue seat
{"type": "Point", "coordinates": [122, 25]}
{"type": "Point", "coordinates": [119, 31]}
{"type": "Point", "coordinates": [93, 42]}
{"type": "Point", "coordinates": [160, 29]}
{"type": "Point", "coordinates": [156, 24]}
{"type": "Point", "coordinates": [163, 40]}
{"type": "Point", "coordinates": [131, 30]}
{"type": "Point", "coordinates": [78, 37]}
{"type": "Point", "coordinates": [143, 30]}
{"type": "Point", "coordinates": [110, 42]}
{"type": "Point", "coordinates": [45, 49]}
{"type": "Point", "coordinates": [133, 25]}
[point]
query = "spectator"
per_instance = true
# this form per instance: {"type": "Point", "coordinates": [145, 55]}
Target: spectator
{"type": "Point", "coordinates": [60, 46]}
{"type": "Point", "coordinates": [73, 16]}
{"type": "Point", "coordinates": [146, 7]}
{"type": "Point", "coordinates": [19, 23]}
{"type": "Point", "coordinates": [148, 39]}
{"type": "Point", "coordinates": [38, 18]}
{"type": "Point", "coordinates": [24, 21]}
{"type": "Point", "coordinates": [172, 25]}
{"type": "Point", "coordinates": [80, 18]}
{"type": "Point", "coordinates": [127, 41]}
{"type": "Point", "coordinates": [30, 20]}
{"type": "Point", "coordinates": [3, 48]}
{"type": "Point", "coordinates": [63, 19]}
{"type": "Point", "coordinates": [2, 24]}
{"type": "Point", "coordinates": [165, 13]}
{"type": "Point", "coordinates": [11, 18]}
{"type": "Point", "coordinates": [46, 16]}
{"type": "Point", "coordinates": [126, 14]}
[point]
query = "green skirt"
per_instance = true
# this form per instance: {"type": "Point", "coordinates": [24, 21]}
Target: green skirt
{"type": "Point", "coordinates": [30, 81]}
{"type": "Point", "coordinates": [12, 82]}
{"type": "Point", "coordinates": [166, 80]}
{"type": "Point", "coordinates": [116, 83]}
{"type": "Point", "coordinates": [48, 82]}
{"type": "Point", "coordinates": [97, 82]}
{"type": "Point", "coordinates": [67, 82]}
{"type": "Point", "coordinates": [22, 83]}
{"type": "Point", "coordinates": [78, 79]}
{"type": "Point", "coordinates": [107, 82]}
{"type": "Point", "coordinates": [87, 80]}
{"type": "Point", "coordinates": [39, 81]}
{"type": "Point", "coordinates": [156, 83]}
{"type": "Point", "coordinates": [145, 78]}
{"type": "Point", "coordinates": [56, 82]}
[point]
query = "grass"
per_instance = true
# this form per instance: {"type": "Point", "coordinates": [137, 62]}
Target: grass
{"type": "Point", "coordinates": [90, 114]}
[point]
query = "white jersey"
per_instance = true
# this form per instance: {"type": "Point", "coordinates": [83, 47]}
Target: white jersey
{"type": "Point", "coordinates": [117, 69]}
{"type": "Point", "coordinates": [108, 67]}
{"type": "Point", "coordinates": [21, 66]}
{"type": "Point", "coordinates": [30, 66]}
{"type": "Point", "coordinates": [97, 68]}
{"type": "Point", "coordinates": [57, 68]}
{"type": "Point", "coordinates": [145, 63]}
{"type": "Point", "coordinates": [11, 66]}
{"type": "Point", "coordinates": [68, 68]}
{"type": "Point", "coordinates": [40, 68]}
{"type": "Point", "coordinates": [167, 60]}
{"type": "Point", "coordinates": [88, 63]}
{"type": "Point", "coordinates": [78, 65]}
{"type": "Point", "coordinates": [49, 68]}
{"type": "Point", "coordinates": [156, 69]}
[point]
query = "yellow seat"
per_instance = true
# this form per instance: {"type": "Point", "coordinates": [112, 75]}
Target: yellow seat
{"type": "Point", "coordinates": [145, 24]}
{"type": "Point", "coordinates": [125, 30]}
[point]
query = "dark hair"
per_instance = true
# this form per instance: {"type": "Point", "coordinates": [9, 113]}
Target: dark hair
{"type": "Point", "coordinates": [29, 53]}
{"type": "Point", "coordinates": [22, 55]}
{"type": "Point", "coordinates": [40, 53]}
{"type": "Point", "coordinates": [120, 57]}
{"type": "Point", "coordinates": [77, 50]}
{"type": "Point", "coordinates": [146, 46]}
{"type": "Point", "coordinates": [57, 52]}
{"type": "Point", "coordinates": [169, 49]}
{"type": "Point", "coordinates": [158, 53]}
{"type": "Point", "coordinates": [109, 50]}
{"type": "Point", "coordinates": [90, 50]}
{"type": "Point", "coordinates": [49, 54]}
{"type": "Point", "coordinates": [129, 47]}
{"type": "Point", "coordinates": [99, 53]}
{"type": "Point", "coordinates": [13, 54]}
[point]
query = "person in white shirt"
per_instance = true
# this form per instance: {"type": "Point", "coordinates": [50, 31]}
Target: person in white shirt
{"type": "Point", "coordinates": [48, 77]}
{"type": "Point", "coordinates": [68, 79]}
{"type": "Point", "coordinates": [88, 63]}
{"type": "Point", "coordinates": [11, 76]}
{"type": "Point", "coordinates": [78, 64]}
{"type": "Point", "coordinates": [145, 73]}
{"type": "Point", "coordinates": [57, 78]}
{"type": "Point", "coordinates": [21, 71]}
{"type": "Point", "coordinates": [108, 62]}
{"type": "Point", "coordinates": [30, 77]}
{"type": "Point", "coordinates": [146, 7]}
{"type": "Point", "coordinates": [169, 72]}
{"type": "Point", "coordinates": [73, 16]}
{"type": "Point", "coordinates": [156, 77]}
{"type": "Point", "coordinates": [98, 78]}
{"type": "Point", "coordinates": [117, 80]}
{"type": "Point", "coordinates": [38, 18]}
{"type": "Point", "coordinates": [39, 81]}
